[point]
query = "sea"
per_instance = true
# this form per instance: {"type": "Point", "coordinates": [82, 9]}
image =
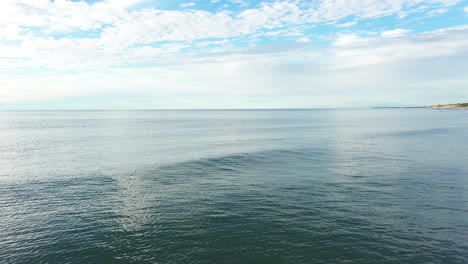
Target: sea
{"type": "Point", "coordinates": [234, 186]}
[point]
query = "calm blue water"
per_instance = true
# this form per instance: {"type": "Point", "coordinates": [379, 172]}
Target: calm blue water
{"type": "Point", "coordinates": [284, 186]}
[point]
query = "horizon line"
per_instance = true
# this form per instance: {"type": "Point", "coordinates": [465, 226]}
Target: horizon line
{"type": "Point", "coordinates": [218, 109]}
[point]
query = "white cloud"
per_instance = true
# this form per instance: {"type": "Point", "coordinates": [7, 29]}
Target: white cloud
{"type": "Point", "coordinates": [347, 24]}
{"type": "Point", "coordinates": [421, 46]}
{"type": "Point", "coordinates": [333, 10]}
{"type": "Point", "coordinates": [183, 5]}
{"type": "Point", "coordinates": [151, 25]}
{"type": "Point", "coordinates": [58, 16]}
{"type": "Point", "coordinates": [64, 15]}
{"type": "Point", "coordinates": [438, 11]}
{"type": "Point", "coordinates": [216, 42]}
{"type": "Point", "coordinates": [125, 3]}
{"type": "Point", "coordinates": [348, 39]}
{"type": "Point", "coordinates": [374, 65]}
{"type": "Point", "coordinates": [303, 39]}
{"type": "Point", "coordinates": [239, 2]}
{"type": "Point", "coordinates": [395, 33]}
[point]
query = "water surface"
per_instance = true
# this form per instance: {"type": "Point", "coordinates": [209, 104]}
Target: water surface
{"type": "Point", "coordinates": [264, 186]}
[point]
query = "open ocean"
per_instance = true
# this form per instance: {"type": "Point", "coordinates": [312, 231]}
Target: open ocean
{"type": "Point", "coordinates": [234, 186]}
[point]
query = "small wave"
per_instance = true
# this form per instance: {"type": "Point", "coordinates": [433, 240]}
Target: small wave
{"type": "Point", "coordinates": [237, 163]}
{"type": "Point", "coordinates": [418, 132]}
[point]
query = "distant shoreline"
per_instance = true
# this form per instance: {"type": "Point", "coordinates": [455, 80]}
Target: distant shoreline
{"type": "Point", "coordinates": [455, 108]}
{"type": "Point", "coordinates": [420, 107]}
{"type": "Point", "coordinates": [462, 106]}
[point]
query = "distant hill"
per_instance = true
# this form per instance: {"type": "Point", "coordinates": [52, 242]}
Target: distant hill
{"type": "Point", "coordinates": [462, 105]}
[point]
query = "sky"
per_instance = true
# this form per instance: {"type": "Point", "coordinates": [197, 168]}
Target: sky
{"type": "Point", "coordinates": [222, 54]}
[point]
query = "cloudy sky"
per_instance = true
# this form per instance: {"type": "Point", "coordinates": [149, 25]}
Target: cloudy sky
{"type": "Point", "coordinates": [166, 54]}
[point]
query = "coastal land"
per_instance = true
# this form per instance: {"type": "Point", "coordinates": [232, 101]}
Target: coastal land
{"type": "Point", "coordinates": [463, 106]}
